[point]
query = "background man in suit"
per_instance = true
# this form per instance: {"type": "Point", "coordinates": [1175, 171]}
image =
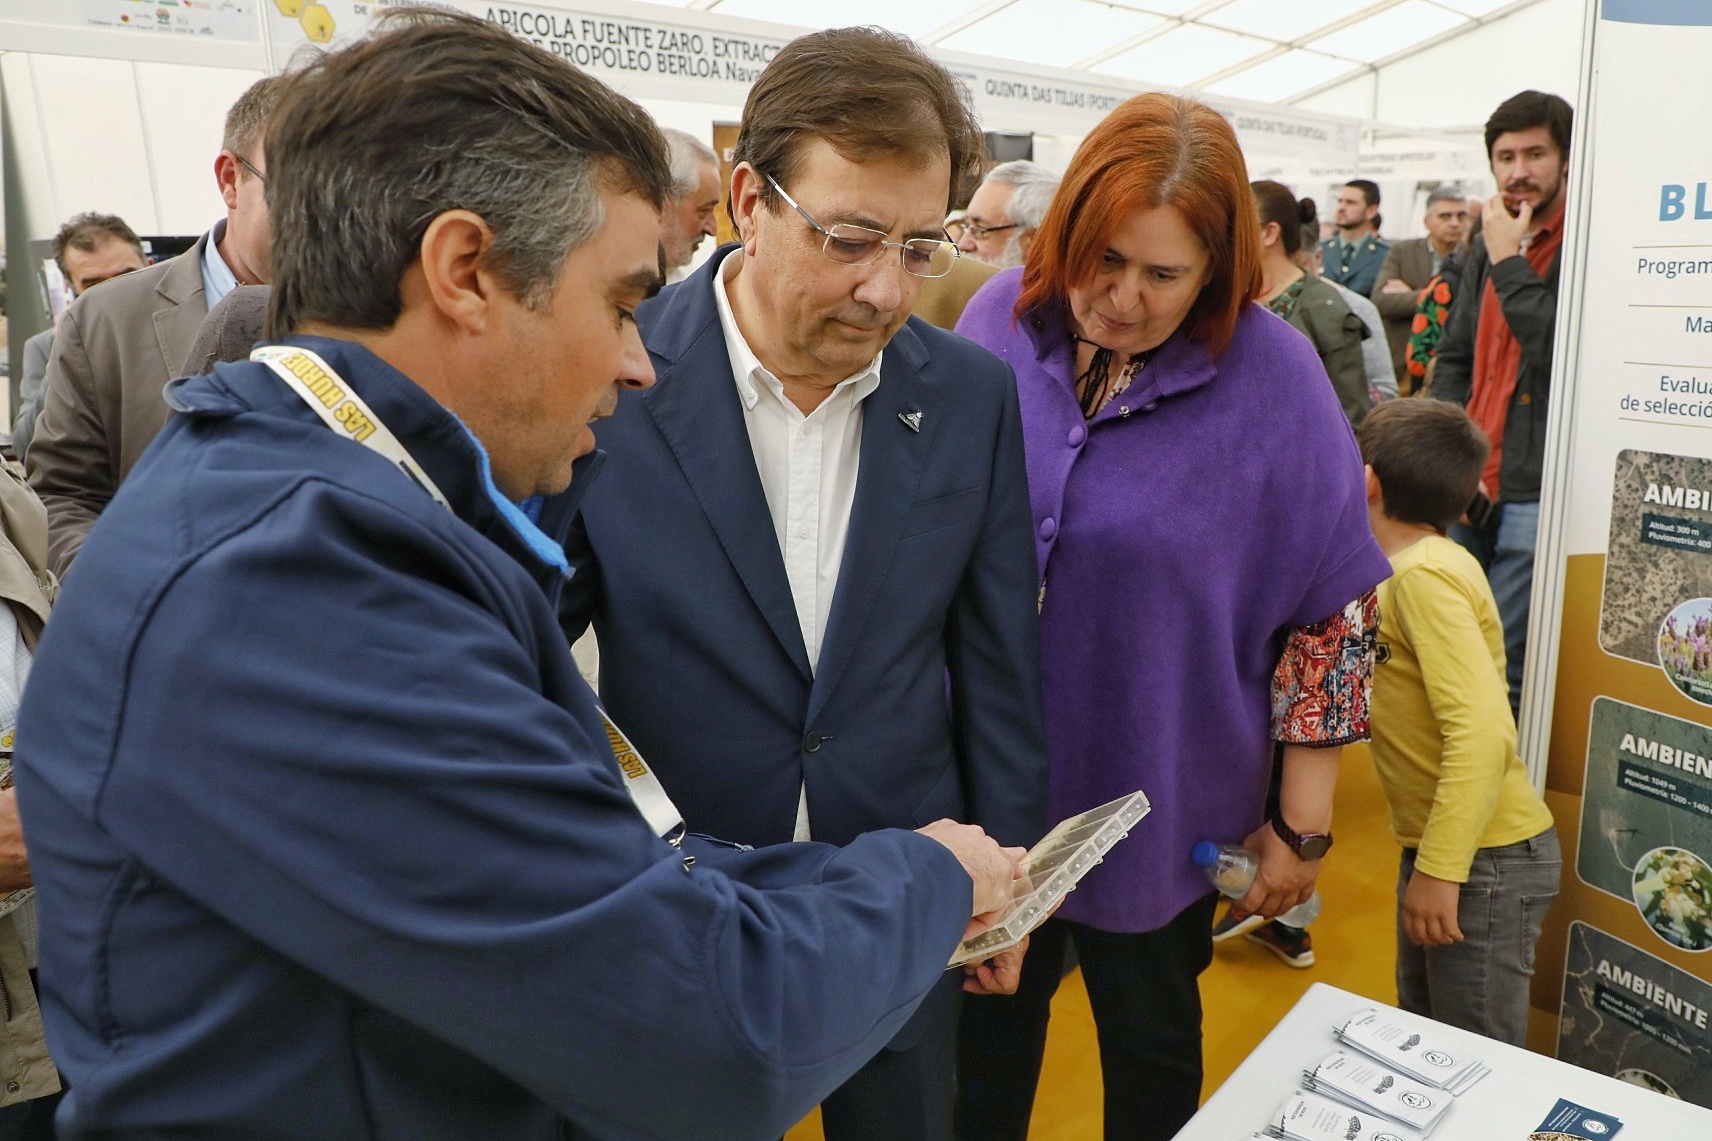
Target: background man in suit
{"type": "Point", "coordinates": [115, 349]}
{"type": "Point", "coordinates": [940, 300]}
{"type": "Point", "coordinates": [89, 249]}
{"type": "Point", "coordinates": [1412, 263]}
{"type": "Point", "coordinates": [1354, 254]}
{"type": "Point", "coordinates": [828, 624]}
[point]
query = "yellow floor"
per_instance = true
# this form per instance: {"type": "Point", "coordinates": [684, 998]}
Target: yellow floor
{"type": "Point", "coordinates": [1247, 990]}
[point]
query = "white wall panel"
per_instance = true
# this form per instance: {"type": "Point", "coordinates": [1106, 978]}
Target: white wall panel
{"type": "Point", "coordinates": [696, 118]}
{"type": "Point", "coordinates": [1054, 152]}
{"type": "Point", "coordinates": [1354, 98]}
{"type": "Point", "coordinates": [185, 109]}
{"type": "Point", "coordinates": [133, 139]}
{"type": "Point", "coordinates": [1459, 82]}
{"type": "Point", "coordinates": [92, 130]}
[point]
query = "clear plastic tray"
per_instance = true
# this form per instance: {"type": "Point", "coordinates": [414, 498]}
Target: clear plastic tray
{"type": "Point", "coordinates": [1051, 870]}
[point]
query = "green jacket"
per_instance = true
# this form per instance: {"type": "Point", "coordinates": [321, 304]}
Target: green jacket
{"type": "Point", "coordinates": [1336, 333]}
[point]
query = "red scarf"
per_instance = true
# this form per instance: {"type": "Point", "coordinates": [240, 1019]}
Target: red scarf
{"type": "Point", "coordinates": [1498, 355]}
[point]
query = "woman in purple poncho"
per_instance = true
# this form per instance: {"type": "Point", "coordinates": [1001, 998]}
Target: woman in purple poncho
{"type": "Point", "coordinates": [1207, 585]}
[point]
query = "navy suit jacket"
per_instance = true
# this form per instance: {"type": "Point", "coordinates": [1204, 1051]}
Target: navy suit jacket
{"type": "Point", "coordinates": [926, 703]}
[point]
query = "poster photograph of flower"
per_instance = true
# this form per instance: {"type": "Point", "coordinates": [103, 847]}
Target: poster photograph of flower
{"type": "Point", "coordinates": [1673, 889]}
{"type": "Point", "coordinates": [1685, 648]}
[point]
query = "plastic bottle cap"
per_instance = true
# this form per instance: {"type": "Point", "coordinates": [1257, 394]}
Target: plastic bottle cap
{"type": "Point", "coordinates": [1204, 854]}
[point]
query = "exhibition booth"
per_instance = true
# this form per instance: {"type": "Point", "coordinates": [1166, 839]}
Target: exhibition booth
{"type": "Point", "coordinates": [116, 105]}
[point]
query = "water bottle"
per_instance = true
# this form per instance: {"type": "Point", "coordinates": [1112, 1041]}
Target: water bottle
{"type": "Point", "coordinates": [1232, 869]}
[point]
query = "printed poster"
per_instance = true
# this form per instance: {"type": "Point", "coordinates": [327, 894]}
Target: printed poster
{"type": "Point", "coordinates": [1646, 819]}
{"type": "Point", "coordinates": [1618, 698]}
{"type": "Point", "coordinates": [1657, 606]}
{"type": "Point", "coordinates": [1634, 1017]}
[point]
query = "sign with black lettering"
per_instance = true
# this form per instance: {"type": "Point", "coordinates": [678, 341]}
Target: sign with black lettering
{"type": "Point", "coordinates": [615, 48]}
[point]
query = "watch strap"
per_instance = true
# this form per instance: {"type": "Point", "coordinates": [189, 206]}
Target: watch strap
{"type": "Point", "coordinates": [1298, 840]}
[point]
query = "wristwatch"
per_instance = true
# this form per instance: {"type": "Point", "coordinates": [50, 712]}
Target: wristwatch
{"type": "Point", "coordinates": [1306, 845]}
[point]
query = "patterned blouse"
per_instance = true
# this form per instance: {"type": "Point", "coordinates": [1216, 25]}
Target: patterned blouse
{"type": "Point", "coordinates": [1321, 688]}
{"type": "Point", "coordinates": [1324, 680]}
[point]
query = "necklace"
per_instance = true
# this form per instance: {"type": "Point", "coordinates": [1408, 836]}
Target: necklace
{"type": "Point", "coordinates": [1096, 387]}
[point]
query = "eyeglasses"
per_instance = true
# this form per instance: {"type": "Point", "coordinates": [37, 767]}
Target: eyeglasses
{"type": "Point", "coordinates": [251, 167]}
{"type": "Point", "coordinates": [976, 230]}
{"type": "Point", "coordinates": [858, 245]}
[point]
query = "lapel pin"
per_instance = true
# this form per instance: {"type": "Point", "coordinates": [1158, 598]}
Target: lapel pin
{"type": "Point", "coordinates": [911, 419]}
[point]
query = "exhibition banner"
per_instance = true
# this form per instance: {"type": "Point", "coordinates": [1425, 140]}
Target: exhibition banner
{"type": "Point", "coordinates": [219, 33]}
{"type": "Point", "coordinates": [648, 51]}
{"type": "Point", "coordinates": [1626, 566]}
{"type": "Point", "coordinates": [642, 50]}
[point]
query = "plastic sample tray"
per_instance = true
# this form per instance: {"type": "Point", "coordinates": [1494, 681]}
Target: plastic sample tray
{"type": "Point", "coordinates": [1051, 870]}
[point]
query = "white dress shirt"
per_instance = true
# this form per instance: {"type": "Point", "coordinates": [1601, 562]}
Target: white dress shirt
{"type": "Point", "coordinates": [808, 466]}
{"type": "Point", "coordinates": [217, 277]}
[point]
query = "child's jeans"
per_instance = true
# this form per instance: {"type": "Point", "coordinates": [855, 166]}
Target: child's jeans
{"type": "Point", "coordinates": [1481, 983]}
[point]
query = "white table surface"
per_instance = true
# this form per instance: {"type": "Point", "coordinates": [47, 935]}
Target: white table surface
{"type": "Point", "coordinates": [1505, 1105]}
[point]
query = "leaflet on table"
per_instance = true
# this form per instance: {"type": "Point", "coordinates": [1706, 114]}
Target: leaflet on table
{"type": "Point", "coordinates": [1051, 870]}
{"type": "Point", "coordinates": [1366, 1085]}
{"type": "Point", "coordinates": [1311, 1117]}
{"type": "Point", "coordinates": [1413, 1046]}
{"type": "Point", "coordinates": [1578, 1121]}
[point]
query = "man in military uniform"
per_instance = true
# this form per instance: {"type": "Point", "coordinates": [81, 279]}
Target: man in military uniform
{"type": "Point", "coordinates": [1354, 254]}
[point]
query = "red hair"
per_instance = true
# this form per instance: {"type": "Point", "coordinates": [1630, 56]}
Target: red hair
{"type": "Point", "coordinates": [1153, 150]}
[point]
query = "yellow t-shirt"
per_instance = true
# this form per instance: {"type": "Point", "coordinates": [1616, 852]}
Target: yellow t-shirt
{"type": "Point", "coordinates": [1443, 738]}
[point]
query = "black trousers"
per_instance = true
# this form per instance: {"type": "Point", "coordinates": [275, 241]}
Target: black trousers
{"type": "Point", "coordinates": [1147, 1012]}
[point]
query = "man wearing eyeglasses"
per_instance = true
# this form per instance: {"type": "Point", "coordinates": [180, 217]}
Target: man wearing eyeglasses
{"type": "Point", "coordinates": [828, 624]}
{"type": "Point", "coordinates": [116, 348]}
{"type": "Point", "coordinates": [1006, 211]}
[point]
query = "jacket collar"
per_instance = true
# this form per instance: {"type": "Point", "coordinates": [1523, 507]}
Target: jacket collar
{"type": "Point", "coordinates": [182, 276]}
{"type": "Point", "coordinates": [1181, 364]}
{"type": "Point", "coordinates": [694, 404]}
{"type": "Point", "coordinates": [435, 438]}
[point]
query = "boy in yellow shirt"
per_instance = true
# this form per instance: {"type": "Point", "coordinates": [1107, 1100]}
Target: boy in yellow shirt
{"type": "Point", "coordinates": [1480, 861]}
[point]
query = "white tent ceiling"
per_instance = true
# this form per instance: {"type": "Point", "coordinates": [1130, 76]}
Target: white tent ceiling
{"type": "Point", "coordinates": [1272, 51]}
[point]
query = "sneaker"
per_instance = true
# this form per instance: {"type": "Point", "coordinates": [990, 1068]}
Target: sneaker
{"type": "Point", "coordinates": [1229, 926]}
{"type": "Point", "coordinates": [1292, 944]}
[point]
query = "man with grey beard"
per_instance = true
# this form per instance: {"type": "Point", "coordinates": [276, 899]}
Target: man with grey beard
{"type": "Point", "coordinates": [690, 213]}
{"type": "Point", "coordinates": [1005, 212]}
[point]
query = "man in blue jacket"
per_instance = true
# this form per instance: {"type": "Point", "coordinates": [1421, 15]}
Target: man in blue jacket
{"type": "Point", "coordinates": [832, 626]}
{"type": "Point", "coordinates": [330, 839]}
